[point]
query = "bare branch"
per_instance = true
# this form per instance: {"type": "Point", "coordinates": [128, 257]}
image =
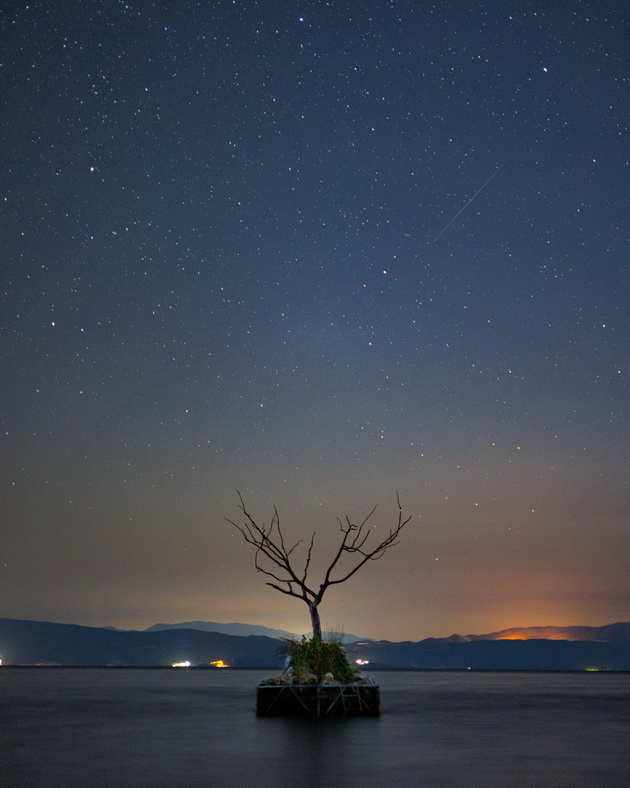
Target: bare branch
{"type": "Point", "coordinates": [288, 591]}
{"type": "Point", "coordinates": [270, 545]}
{"type": "Point", "coordinates": [344, 547]}
{"type": "Point", "coordinates": [353, 547]}
{"type": "Point", "coordinates": [270, 542]}
{"type": "Point", "coordinates": [308, 558]}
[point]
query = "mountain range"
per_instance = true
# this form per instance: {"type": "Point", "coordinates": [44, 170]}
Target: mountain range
{"type": "Point", "coordinates": [559, 648]}
{"type": "Point", "coordinates": [242, 630]}
{"type": "Point", "coordinates": [611, 633]}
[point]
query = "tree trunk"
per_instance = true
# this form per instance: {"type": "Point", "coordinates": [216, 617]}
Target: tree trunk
{"type": "Point", "coordinates": [315, 622]}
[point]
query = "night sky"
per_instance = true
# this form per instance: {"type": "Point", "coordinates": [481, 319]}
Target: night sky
{"type": "Point", "coordinates": [318, 252]}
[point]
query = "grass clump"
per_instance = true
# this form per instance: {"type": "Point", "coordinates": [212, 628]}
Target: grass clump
{"type": "Point", "coordinates": [312, 660]}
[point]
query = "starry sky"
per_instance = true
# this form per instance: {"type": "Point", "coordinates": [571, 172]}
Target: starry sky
{"type": "Point", "coordinates": [320, 252]}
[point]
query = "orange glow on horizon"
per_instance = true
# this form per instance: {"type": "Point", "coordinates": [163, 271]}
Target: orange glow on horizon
{"type": "Point", "coordinates": [538, 633]}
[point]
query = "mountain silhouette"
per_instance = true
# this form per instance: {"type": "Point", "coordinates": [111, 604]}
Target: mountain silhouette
{"type": "Point", "coordinates": [46, 643]}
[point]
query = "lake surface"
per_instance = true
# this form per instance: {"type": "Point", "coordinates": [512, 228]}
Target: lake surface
{"type": "Point", "coordinates": [125, 728]}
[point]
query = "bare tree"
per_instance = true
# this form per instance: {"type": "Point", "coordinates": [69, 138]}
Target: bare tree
{"type": "Point", "coordinates": [279, 560]}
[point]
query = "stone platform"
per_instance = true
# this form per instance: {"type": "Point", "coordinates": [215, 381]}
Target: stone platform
{"type": "Point", "coordinates": [318, 700]}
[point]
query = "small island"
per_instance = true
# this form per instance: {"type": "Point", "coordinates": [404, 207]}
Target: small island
{"type": "Point", "coordinates": [317, 680]}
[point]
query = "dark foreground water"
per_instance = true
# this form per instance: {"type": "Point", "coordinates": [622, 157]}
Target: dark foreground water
{"type": "Point", "coordinates": [90, 727]}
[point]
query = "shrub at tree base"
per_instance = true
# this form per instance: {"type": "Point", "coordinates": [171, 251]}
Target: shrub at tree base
{"type": "Point", "coordinates": [313, 661]}
{"type": "Point", "coordinates": [318, 681]}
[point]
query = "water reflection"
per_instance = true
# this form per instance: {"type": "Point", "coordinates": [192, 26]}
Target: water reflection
{"type": "Point", "coordinates": [199, 728]}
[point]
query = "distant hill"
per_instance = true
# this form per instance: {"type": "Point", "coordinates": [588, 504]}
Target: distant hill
{"type": "Point", "coordinates": [38, 642]}
{"type": "Point", "coordinates": [241, 630]}
{"type": "Point", "coordinates": [435, 654]}
{"type": "Point", "coordinates": [612, 633]}
{"type": "Point", "coordinates": [525, 648]}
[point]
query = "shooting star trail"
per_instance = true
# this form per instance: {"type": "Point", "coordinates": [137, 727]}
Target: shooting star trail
{"type": "Point", "coordinates": [476, 194]}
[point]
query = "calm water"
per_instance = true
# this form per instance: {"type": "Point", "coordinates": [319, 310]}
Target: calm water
{"type": "Point", "coordinates": [122, 728]}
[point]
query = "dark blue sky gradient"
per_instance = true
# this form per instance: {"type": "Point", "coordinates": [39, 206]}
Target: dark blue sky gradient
{"type": "Point", "coordinates": [232, 259]}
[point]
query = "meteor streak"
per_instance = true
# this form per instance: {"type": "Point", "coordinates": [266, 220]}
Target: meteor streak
{"type": "Point", "coordinates": [461, 211]}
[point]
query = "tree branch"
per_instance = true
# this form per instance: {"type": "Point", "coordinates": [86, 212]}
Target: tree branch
{"type": "Point", "coordinates": [353, 547]}
{"type": "Point", "coordinates": [269, 543]}
{"type": "Point", "coordinates": [262, 538]}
